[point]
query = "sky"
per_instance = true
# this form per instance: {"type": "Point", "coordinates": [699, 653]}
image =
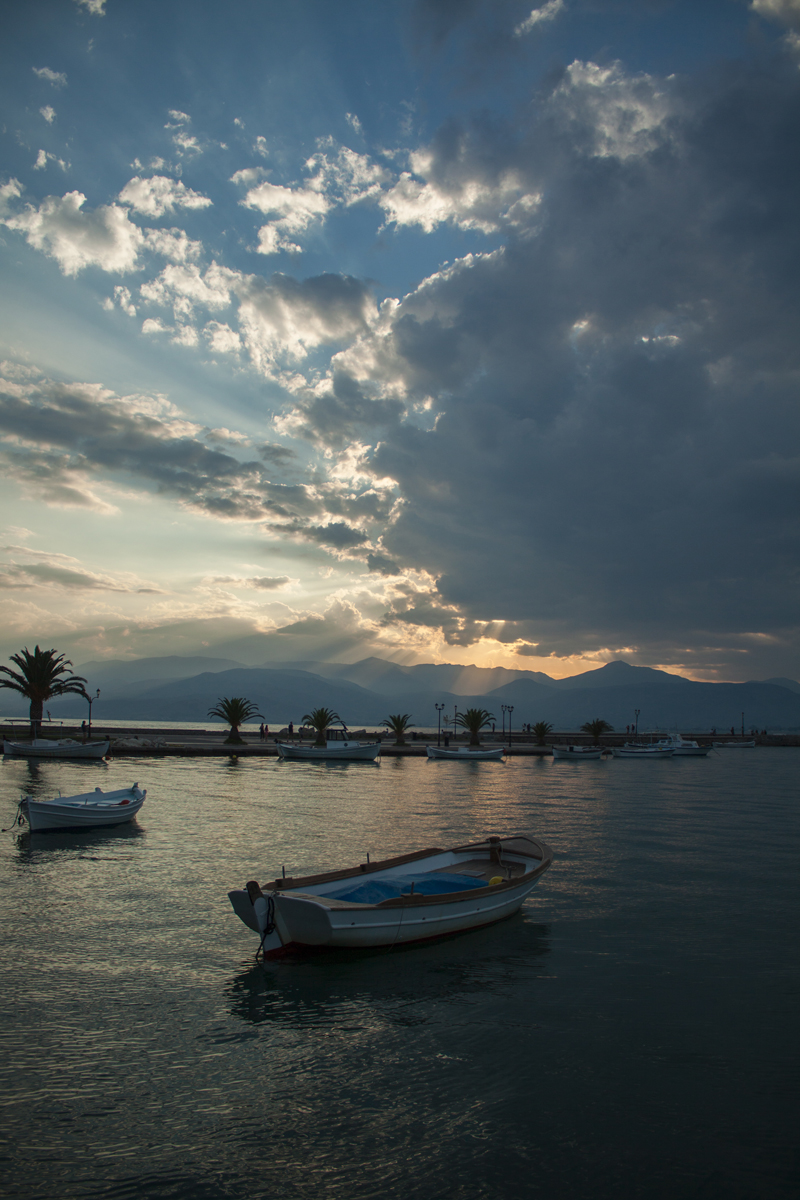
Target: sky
{"type": "Point", "coordinates": [441, 330]}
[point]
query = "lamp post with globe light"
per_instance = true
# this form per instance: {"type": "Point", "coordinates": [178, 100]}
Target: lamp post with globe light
{"type": "Point", "coordinates": [439, 708]}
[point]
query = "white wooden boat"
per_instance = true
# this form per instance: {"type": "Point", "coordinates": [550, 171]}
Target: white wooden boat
{"type": "Point", "coordinates": [335, 748]}
{"type": "Point", "coordinates": [631, 750]}
{"type": "Point", "coordinates": [467, 753]}
{"type": "Point", "coordinates": [683, 747]}
{"type": "Point", "coordinates": [50, 748]}
{"type": "Point", "coordinates": [748, 745]}
{"type": "Point", "coordinates": [412, 898]}
{"type": "Point", "coordinates": [85, 811]}
{"type": "Point", "coordinates": [578, 753]}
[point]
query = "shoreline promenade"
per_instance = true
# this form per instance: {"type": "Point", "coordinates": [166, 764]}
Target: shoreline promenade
{"type": "Point", "coordinates": [200, 743]}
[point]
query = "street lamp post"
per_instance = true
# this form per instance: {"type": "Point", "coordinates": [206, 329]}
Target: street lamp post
{"type": "Point", "coordinates": [439, 708]}
{"type": "Point", "coordinates": [91, 700]}
{"type": "Point", "coordinates": [455, 721]}
{"type": "Point", "coordinates": [742, 724]}
{"type": "Point", "coordinates": [510, 708]}
{"type": "Point", "coordinates": [637, 711]}
{"type": "Point", "coordinates": [503, 708]}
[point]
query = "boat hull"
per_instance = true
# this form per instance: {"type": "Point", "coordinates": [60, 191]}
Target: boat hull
{"type": "Point", "coordinates": [83, 812]}
{"type": "Point", "coordinates": [345, 752]}
{"type": "Point", "coordinates": [640, 752]}
{"type": "Point", "coordinates": [734, 745]}
{"type": "Point", "coordinates": [464, 754]}
{"type": "Point", "coordinates": [569, 752]}
{"type": "Point", "coordinates": [43, 748]}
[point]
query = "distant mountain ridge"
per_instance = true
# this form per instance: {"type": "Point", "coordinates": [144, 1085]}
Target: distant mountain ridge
{"type": "Point", "coordinates": [364, 693]}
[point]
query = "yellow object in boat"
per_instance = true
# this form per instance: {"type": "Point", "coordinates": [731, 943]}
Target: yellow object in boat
{"type": "Point", "coordinates": [496, 879]}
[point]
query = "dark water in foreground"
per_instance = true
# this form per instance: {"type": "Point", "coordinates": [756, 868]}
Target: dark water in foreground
{"type": "Point", "coordinates": [634, 1032]}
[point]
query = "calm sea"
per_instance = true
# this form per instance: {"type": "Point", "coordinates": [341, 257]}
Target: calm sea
{"type": "Point", "coordinates": [633, 1032]}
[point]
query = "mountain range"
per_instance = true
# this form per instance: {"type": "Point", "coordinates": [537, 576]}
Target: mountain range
{"type": "Point", "coordinates": [181, 688]}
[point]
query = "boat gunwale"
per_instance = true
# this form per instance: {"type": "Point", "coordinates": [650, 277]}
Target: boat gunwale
{"type": "Point", "coordinates": [291, 885]}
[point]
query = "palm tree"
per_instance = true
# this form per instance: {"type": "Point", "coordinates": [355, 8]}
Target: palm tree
{"type": "Point", "coordinates": [42, 675]}
{"type": "Point", "coordinates": [235, 710]}
{"type": "Point", "coordinates": [321, 719]}
{"type": "Point", "coordinates": [474, 720]}
{"type": "Point", "coordinates": [595, 728]}
{"type": "Point", "coordinates": [398, 724]}
{"type": "Point", "coordinates": [541, 730]}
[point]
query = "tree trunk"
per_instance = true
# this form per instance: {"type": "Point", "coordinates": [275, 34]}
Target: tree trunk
{"type": "Point", "coordinates": [474, 739]}
{"type": "Point", "coordinates": [233, 738]}
{"type": "Point", "coordinates": [37, 707]}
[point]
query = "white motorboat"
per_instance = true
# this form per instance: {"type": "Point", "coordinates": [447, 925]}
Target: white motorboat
{"type": "Point", "coordinates": [50, 748]}
{"type": "Point", "coordinates": [683, 747]}
{"type": "Point", "coordinates": [412, 898]}
{"type": "Point", "coordinates": [335, 748]}
{"type": "Point", "coordinates": [85, 811]}
{"type": "Point", "coordinates": [748, 745]}
{"type": "Point", "coordinates": [467, 753]}
{"type": "Point", "coordinates": [578, 753]}
{"type": "Point", "coordinates": [631, 750]}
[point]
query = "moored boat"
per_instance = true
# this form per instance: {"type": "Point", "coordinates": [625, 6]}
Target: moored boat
{"type": "Point", "coordinates": [631, 750]}
{"type": "Point", "coordinates": [467, 753]}
{"type": "Point", "coordinates": [683, 747]}
{"type": "Point", "coordinates": [411, 898]}
{"type": "Point", "coordinates": [335, 748]}
{"type": "Point", "coordinates": [743, 745]}
{"type": "Point", "coordinates": [85, 811]}
{"type": "Point", "coordinates": [50, 748]}
{"type": "Point", "coordinates": [577, 753]}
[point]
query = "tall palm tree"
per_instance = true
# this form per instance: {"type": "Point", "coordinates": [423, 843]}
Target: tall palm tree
{"type": "Point", "coordinates": [474, 720]}
{"type": "Point", "coordinates": [42, 675]}
{"type": "Point", "coordinates": [235, 710]}
{"type": "Point", "coordinates": [398, 724]}
{"type": "Point", "coordinates": [321, 719]}
{"type": "Point", "coordinates": [595, 728]}
{"type": "Point", "coordinates": [541, 730]}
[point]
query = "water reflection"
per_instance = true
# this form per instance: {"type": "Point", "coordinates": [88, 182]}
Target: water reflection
{"type": "Point", "coordinates": [30, 847]}
{"type": "Point", "coordinates": [46, 777]}
{"type": "Point", "coordinates": [404, 982]}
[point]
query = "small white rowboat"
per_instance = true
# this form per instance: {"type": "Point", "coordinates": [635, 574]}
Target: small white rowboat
{"type": "Point", "coordinates": [467, 753]}
{"type": "Point", "coordinates": [49, 748]}
{"type": "Point", "coordinates": [335, 749]}
{"type": "Point", "coordinates": [85, 811]}
{"type": "Point", "coordinates": [748, 745]}
{"type": "Point", "coordinates": [578, 753]}
{"type": "Point", "coordinates": [413, 898]}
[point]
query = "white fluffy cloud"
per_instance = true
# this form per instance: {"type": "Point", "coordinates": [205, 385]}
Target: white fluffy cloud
{"type": "Point", "coordinates": [61, 228]}
{"type": "Point", "coordinates": [49, 113]}
{"type": "Point", "coordinates": [159, 194]}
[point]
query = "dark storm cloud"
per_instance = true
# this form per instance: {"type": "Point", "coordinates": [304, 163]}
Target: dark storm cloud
{"type": "Point", "coordinates": [344, 414]}
{"type": "Point", "coordinates": [618, 460]}
{"type": "Point", "coordinates": [337, 534]}
{"type": "Point", "coordinates": [56, 438]}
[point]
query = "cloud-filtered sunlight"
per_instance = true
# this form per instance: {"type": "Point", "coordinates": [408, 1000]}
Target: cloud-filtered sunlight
{"type": "Point", "coordinates": [446, 333]}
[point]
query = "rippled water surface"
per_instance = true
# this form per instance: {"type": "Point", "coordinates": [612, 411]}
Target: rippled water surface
{"type": "Point", "coordinates": [633, 1032]}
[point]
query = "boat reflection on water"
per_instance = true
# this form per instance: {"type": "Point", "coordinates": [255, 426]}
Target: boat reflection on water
{"type": "Point", "coordinates": [79, 843]}
{"type": "Point", "coordinates": [336, 985]}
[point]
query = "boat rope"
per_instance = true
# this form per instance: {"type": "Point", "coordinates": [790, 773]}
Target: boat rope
{"type": "Point", "coordinates": [19, 819]}
{"type": "Point", "coordinates": [269, 927]}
